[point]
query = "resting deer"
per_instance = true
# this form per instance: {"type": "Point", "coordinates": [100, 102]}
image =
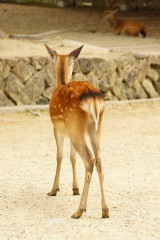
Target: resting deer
{"type": "Point", "coordinates": [130, 27]}
{"type": "Point", "coordinates": [76, 110]}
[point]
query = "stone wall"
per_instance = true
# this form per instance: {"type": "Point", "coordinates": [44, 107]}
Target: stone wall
{"type": "Point", "coordinates": [31, 80]}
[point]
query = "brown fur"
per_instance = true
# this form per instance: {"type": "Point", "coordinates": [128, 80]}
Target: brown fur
{"type": "Point", "coordinates": [130, 27]}
{"type": "Point", "coordinates": [76, 110]}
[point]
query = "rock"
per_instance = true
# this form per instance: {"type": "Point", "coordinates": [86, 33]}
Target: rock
{"type": "Point", "coordinates": [38, 62]}
{"type": "Point", "coordinates": [47, 93]}
{"type": "Point", "coordinates": [109, 67]}
{"type": "Point", "coordinates": [92, 79]}
{"type": "Point", "coordinates": [148, 87]}
{"type": "Point", "coordinates": [79, 77]}
{"type": "Point", "coordinates": [109, 96]}
{"type": "Point", "coordinates": [50, 78]}
{"type": "Point", "coordinates": [4, 101]}
{"type": "Point", "coordinates": [14, 89]}
{"type": "Point", "coordinates": [1, 67]}
{"type": "Point", "coordinates": [12, 62]}
{"type": "Point", "coordinates": [85, 64]}
{"type": "Point", "coordinates": [23, 70]}
{"type": "Point", "coordinates": [117, 92]}
{"type": "Point", "coordinates": [42, 101]}
{"type": "Point", "coordinates": [107, 81]}
{"type": "Point", "coordinates": [154, 60]}
{"type": "Point", "coordinates": [139, 90]}
{"type": "Point", "coordinates": [5, 72]}
{"type": "Point", "coordinates": [35, 86]}
{"type": "Point", "coordinates": [128, 91]}
{"type": "Point", "coordinates": [76, 67]}
{"type": "Point", "coordinates": [157, 87]}
{"type": "Point", "coordinates": [153, 74]}
{"type": "Point", "coordinates": [1, 84]}
{"type": "Point", "coordinates": [103, 86]}
{"type": "Point", "coordinates": [143, 65]}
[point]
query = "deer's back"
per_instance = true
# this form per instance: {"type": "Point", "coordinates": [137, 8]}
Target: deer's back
{"type": "Point", "coordinates": [132, 27]}
{"type": "Point", "coordinates": [75, 100]}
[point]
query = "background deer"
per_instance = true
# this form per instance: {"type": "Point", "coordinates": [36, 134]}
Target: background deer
{"type": "Point", "coordinates": [130, 27]}
{"type": "Point", "coordinates": [76, 110]}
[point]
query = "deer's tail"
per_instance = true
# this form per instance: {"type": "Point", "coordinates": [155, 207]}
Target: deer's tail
{"type": "Point", "coordinates": [142, 33]}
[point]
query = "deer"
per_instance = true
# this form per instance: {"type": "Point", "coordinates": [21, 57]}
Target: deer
{"type": "Point", "coordinates": [76, 111]}
{"type": "Point", "coordinates": [129, 27]}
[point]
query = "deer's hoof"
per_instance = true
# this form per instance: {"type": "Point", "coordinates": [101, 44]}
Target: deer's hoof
{"type": "Point", "coordinates": [105, 213]}
{"type": "Point", "coordinates": [78, 214]}
{"type": "Point", "coordinates": [53, 192]}
{"type": "Point", "coordinates": [75, 191]}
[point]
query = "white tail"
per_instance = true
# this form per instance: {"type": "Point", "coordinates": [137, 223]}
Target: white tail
{"type": "Point", "coordinates": [76, 110]}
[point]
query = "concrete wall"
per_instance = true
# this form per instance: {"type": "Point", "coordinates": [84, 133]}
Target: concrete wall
{"type": "Point", "coordinates": [31, 80]}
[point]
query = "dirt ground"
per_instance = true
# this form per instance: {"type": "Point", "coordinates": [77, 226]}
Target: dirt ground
{"type": "Point", "coordinates": [77, 26]}
{"type": "Point", "coordinates": [130, 143]}
{"type": "Point", "coordinates": [130, 153]}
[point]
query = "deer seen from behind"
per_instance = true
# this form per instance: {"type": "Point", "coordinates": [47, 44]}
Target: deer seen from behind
{"type": "Point", "coordinates": [129, 27]}
{"type": "Point", "coordinates": [76, 111]}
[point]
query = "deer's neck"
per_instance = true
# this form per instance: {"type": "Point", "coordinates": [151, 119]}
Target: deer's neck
{"type": "Point", "coordinates": [113, 21]}
{"type": "Point", "coordinates": [63, 73]}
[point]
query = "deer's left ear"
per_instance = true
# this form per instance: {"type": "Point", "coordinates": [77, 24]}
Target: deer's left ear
{"type": "Point", "coordinates": [74, 54]}
{"type": "Point", "coordinates": [51, 52]}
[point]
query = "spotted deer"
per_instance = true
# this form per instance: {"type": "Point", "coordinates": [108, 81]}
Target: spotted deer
{"type": "Point", "coordinates": [76, 111]}
{"type": "Point", "coordinates": [130, 27]}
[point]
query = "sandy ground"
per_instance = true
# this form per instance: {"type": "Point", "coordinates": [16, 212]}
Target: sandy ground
{"type": "Point", "coordinates": [130, 145]}
{"type": "Point", "coordinates": [130, 153]}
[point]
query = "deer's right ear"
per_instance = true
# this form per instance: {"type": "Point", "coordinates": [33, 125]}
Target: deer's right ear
{"type": "Point", "coordinates": [74, 54]}
{"type": "Point", "coordinates": [51, 52]}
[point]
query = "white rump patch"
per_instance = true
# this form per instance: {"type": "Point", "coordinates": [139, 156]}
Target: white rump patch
{"type": "Point", "coordinates": [94, 107]}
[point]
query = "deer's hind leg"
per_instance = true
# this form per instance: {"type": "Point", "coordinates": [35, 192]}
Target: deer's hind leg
{"type": "Point", "coordinates": [73, 161]}
{"type": "Point", "coordinates": [88, 160]}
{"type": "Point", "coordinates": [95, 137]}
{"type": "Point", "coordinates": [79, 142]}
{"type": "Point", "coordinates": [59, 142]}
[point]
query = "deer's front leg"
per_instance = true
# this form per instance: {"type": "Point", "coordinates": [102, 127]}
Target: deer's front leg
{"type": "Point", "coordinates": [59, 142]}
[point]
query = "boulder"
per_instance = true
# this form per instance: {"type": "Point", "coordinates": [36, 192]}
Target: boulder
{"type": "Point", "coordinates": [148, 87]}
{"type": "Point", "coordinates": [79, 77]}
{"type": "Point", "coordinates": [14, 89]}
{"type": "Point", "coordinates": [139, 90]}
{"type": "Point", "coordinates": [35, 86]}
{"type": "Point", "coordinates": [47, 93]}
{"type": "Point", "coordinates": [12, 62]}
{"type": "Point", "coordinates": [4, 101]}
{"type": "Point", "coordinates": [50, 78]}
{"type": "Point", "coordinates": [38, 62]}
{"type": "Point", "coordinates": [152, 74]}
{"type": "Point", "coordinates": [76, 67]}
{"type": "Point", "coordinates": [5, 72]}
{"type": "Point", "coordinates": [23, 70]}
{"type": "Point", "coordinates": [42, 101]}
{"type": "Point", "coordinates": [92, 78]}
{"type": "Point", "coordinates": [85, 64]}
{"type": "Point", "coordinates": [1, 84]}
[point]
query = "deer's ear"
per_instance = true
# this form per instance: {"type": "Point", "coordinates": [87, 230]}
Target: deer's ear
{"type": "Point", "coordinates": [51, 52]}
{"type": "Point", "coordinates": [74, 54]}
